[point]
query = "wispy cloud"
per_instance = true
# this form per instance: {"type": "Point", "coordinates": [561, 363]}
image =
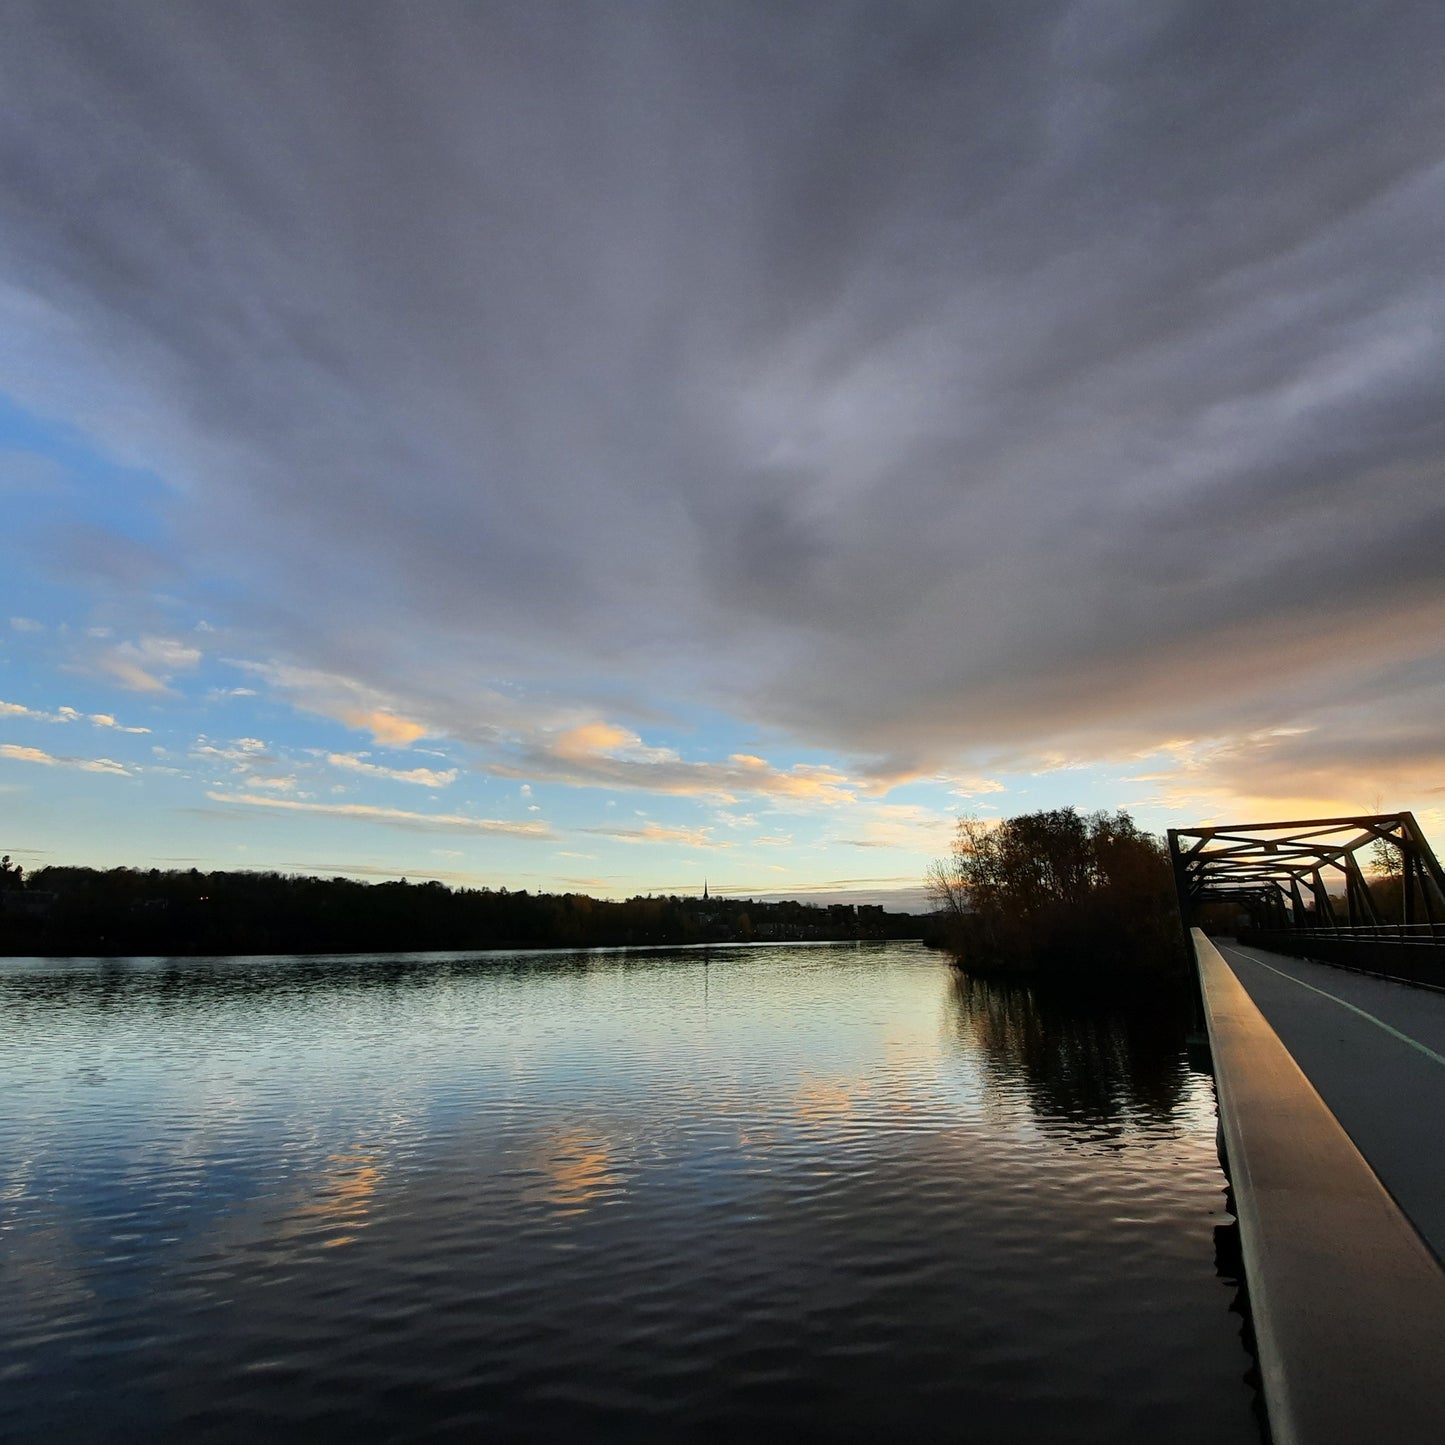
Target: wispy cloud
{"type": "Point", "coordinates": [21, 754]}
{"type": "Point", "coordinates": [334, 695]}
{"type": "Point", "coordinates": [897, 825]}
{"type": "Point", "coordinates": [251, 762]}
{"type": "Point", "coordinates": [605, 755]}
{"type": "Point", "coordinates": [424, 777]}
{"type": "Point", "coordinates": [373, 870]}
{"type": "Point", "coordinates": [236, 756]}
{"type": "Point", "coordinates": [66, 715]}
{"type": "Point", "coordinates": [973, 787]}
{"type": "Point", "coordinates": [658, 833]}
{"type": "Point", "coordinates": [398, 817]}
{"type": "Point", "coordinates": [105, 720]}
{"type": "Point", "coordinates": [147, 665]}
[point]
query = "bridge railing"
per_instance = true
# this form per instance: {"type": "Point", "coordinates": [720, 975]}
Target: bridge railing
{"type": "Point", "coordinates": [1429, 933]}
{"type": "Point", "coordinates": [1411, 952]}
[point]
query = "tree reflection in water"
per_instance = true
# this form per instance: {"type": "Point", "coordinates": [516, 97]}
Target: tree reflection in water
{"type": "Point", "coordinates": [1092, 1067]}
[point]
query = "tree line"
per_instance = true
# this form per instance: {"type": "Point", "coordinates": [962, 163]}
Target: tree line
{"type": "Point", "coordinates": [127, 911]}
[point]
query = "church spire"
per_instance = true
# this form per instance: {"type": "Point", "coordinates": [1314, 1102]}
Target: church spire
{"type": "Point", "coordinates": [704, 890]}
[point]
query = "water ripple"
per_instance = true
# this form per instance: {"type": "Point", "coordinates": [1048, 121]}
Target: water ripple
{"type": "Point", "coordinates": [839, 1192]}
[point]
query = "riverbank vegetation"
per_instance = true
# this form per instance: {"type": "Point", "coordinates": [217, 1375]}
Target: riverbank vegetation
{"type": "Point", "coordinates": [1059, 893]}
{"type": "Point", "coordinates": [126, 911]}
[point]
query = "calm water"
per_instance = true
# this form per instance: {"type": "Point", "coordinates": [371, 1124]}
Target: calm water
{"type": "Point", "coordinates": [828, 1192]}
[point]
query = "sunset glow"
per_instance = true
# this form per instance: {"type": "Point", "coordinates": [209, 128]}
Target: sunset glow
{"type": "Point", "coordinates": [680, 454]}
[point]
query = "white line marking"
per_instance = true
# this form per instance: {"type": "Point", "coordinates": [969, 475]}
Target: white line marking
{"type": "Point", "coordinates": [1404, 1038]}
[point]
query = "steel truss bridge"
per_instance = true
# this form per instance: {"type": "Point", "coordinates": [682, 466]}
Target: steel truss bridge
{"type": "Point", "coordinates": [1278, 878]}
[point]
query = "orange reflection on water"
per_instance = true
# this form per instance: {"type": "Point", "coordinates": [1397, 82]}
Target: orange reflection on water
{"type": "Point", "coordinates": [828, 1102]}
{"type": "Point", "coordinates": [578, 1169]}
{"type": "Point", "coordinates": [349, 1184]}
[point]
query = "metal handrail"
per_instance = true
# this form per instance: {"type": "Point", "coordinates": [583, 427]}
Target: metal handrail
{"type": "Point", "coordinates": [1381, 932]}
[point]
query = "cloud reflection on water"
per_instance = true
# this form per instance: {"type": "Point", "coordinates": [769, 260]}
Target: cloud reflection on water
{"type": "Point", "coordinates": [577, 1168]}
{"type": "Point", "coordinates": [349, 1183]}
{"type": "Point", "coordinates": [571, 1180]}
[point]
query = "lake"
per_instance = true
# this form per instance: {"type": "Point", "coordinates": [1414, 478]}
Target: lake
{"type": "Point", "coordinates": [830, 1192]}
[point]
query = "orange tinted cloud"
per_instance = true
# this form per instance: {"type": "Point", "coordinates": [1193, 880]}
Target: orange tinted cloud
{"type": "Point", "coordinates": [592, 738]}
{"type": "Point", "coordinates": [385, 727]}
{"type": "Point", "coordinates": [335, 696]}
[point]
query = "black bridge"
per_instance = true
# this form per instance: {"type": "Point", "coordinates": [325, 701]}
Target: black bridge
{"type": "Point", "coordinates": [1269, 883]}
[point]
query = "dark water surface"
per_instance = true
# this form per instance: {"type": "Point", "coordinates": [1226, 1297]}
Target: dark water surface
{"type": "Point", "coordinates": [832, 1193]}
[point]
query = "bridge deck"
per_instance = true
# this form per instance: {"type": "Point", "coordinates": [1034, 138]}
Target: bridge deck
{"type": "Point", "coordinates": [1348, 1301]}
{"type": "Point", "coordinates": [1375, 1050]}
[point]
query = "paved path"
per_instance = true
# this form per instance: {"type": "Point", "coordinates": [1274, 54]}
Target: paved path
{"type": "Point", "coordinates": [1375, 1050]}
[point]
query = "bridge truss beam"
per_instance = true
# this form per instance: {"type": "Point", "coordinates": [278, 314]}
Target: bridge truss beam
{"type": "Point", "coordinates": [1269, 869]}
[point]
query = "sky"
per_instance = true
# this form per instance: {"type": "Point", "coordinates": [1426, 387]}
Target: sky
{"type": "Point", "coordinates": [605, 447]}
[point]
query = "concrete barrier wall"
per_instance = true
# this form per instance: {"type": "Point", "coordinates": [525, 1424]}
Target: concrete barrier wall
{"type": "Point", "coordinates": [1348, 1303]}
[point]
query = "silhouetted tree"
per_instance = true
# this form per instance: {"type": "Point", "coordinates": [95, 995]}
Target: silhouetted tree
{"type": "Point", "coordinates": [1058, 891]}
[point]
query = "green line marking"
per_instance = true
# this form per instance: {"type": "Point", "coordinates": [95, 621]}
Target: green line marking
{"type": "Point", "coordinates": [1324, 993]}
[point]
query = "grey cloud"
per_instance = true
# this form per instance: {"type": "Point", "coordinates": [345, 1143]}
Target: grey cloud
{"type": "Point", "coordinates": [917, 377]}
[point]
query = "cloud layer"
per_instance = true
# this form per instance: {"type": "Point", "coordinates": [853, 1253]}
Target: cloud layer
{"type": "Point", "coordinates": [925, 381]}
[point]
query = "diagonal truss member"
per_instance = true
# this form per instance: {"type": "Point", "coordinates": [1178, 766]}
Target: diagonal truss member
{"type": "Point", "coordinates": [1270, 869]}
